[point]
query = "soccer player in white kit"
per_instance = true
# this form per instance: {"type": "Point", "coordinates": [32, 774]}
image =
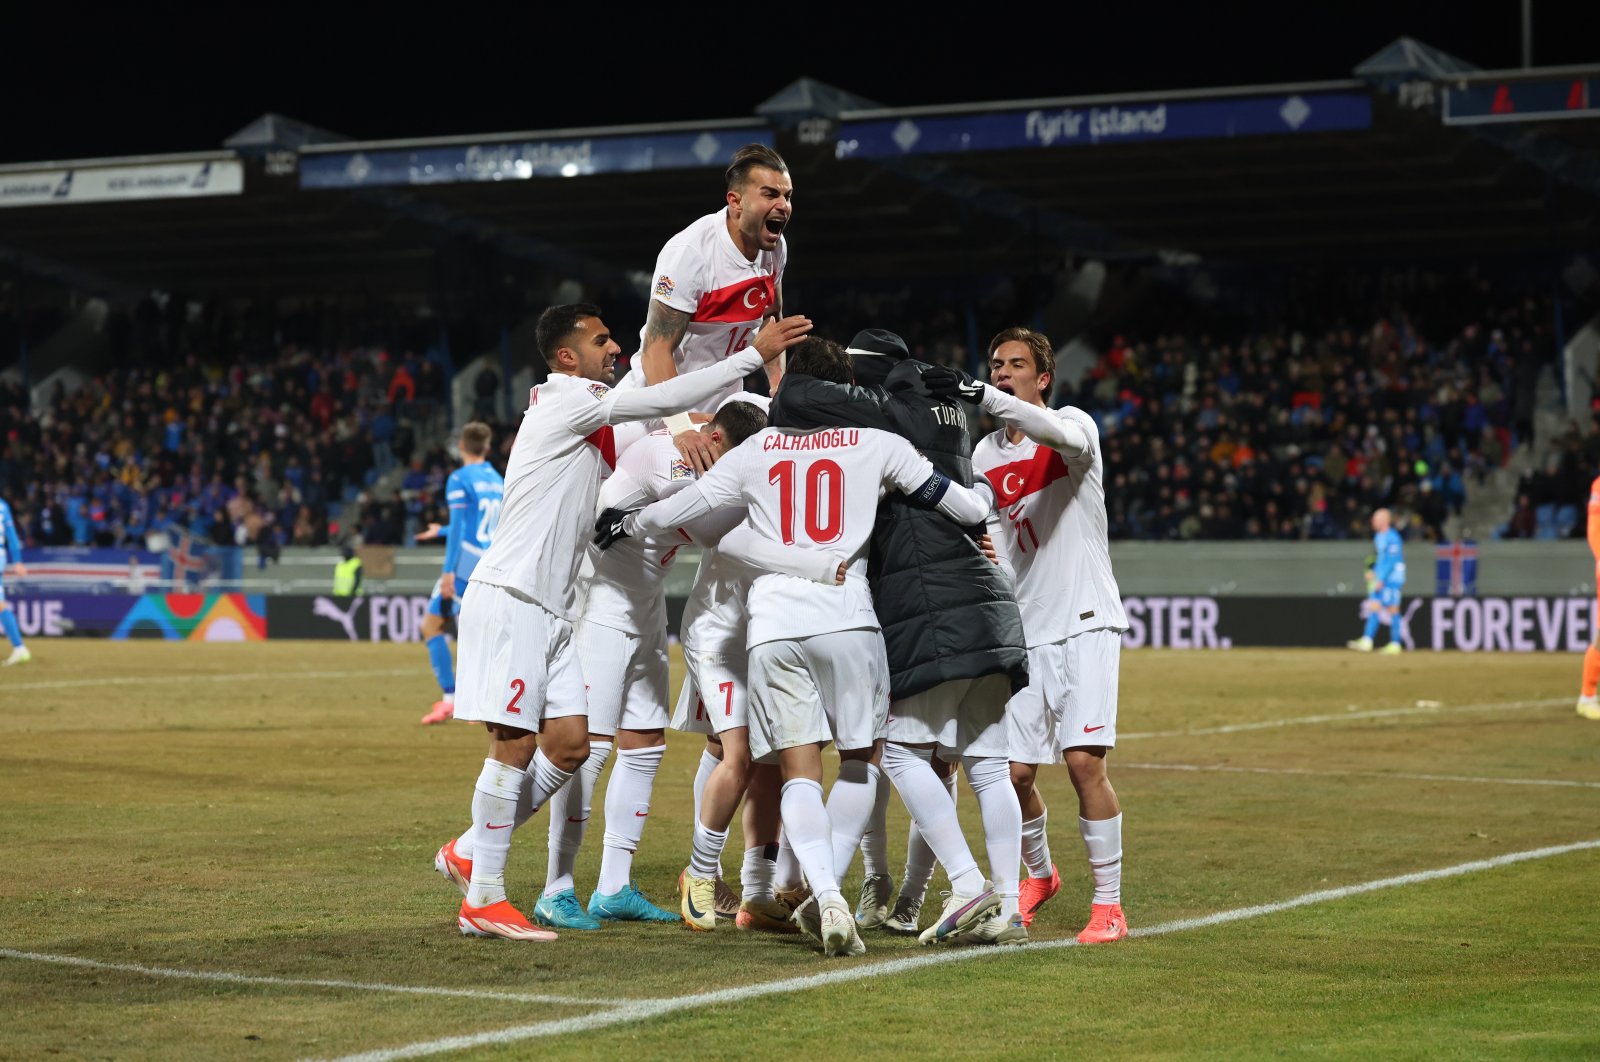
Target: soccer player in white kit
{"type": "Point", "coordinates": [1050, 533]}
{"type": "Point", "coordinates": [622, 647]}
{"type": "Point", "coordinates": [817, 670]}
{"type": "Point", "coordinates": [519, 672]}
{"type": "Point", "coordinates": [714, 283]}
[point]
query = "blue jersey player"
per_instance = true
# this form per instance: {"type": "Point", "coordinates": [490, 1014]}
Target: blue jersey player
{"type": "Point", "coordinates": [11, 556]}
{"type": "Point", "coordinates": [473, 492]}
{"type": "Point", "coordinates": [1384, 581]}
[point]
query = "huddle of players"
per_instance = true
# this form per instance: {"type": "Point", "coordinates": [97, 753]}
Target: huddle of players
{"type": "Point", "coordinates": [782, 642]}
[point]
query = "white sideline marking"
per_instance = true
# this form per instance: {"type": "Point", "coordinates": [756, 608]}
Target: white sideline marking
{"type": "Point", "coordinates": [1225, 769]}
{"type": "Point", "coordinates": [295, 982]}
{"type": "Point", "coordinates": [642, 1009]}
{"type": "Point", "coordinates": [1339, 717]}
{"type": "Point", "coordinates": [246, 676]}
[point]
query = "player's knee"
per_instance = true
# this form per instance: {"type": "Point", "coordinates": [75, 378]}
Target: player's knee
{"type": "Point", "coordinates": [1086, 767]}
{"type": "Point", "coordinates": [1022, 775]}
{"type": "Point", "coordinates": [432, 626]}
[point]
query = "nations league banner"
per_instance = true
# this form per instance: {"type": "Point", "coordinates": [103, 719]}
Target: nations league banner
{"type": "Point", "coordinates": [1466, 624]}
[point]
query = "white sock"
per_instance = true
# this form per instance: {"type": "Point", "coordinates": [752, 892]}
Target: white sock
{"type": "Point", "coordinates": [547, 780]}
{"type": "Point", "coordinates": [920, 859]}
{"type": "Point", "coordinates": [850, 809]}
{"type": "Point", "coordinates": [810, 834]}
{"type": "Point", "coordinates": [627, 807]}
{"type": "Point", "coordinates": [1103, 839]}
{"type": "Point", "coordinates": [934, 813]}
{"type": "Point", "coordinates": [494, 810]}
{"type": "Point", "coordinates": [1002, 824]}
{"type": "Point", "coordinates": [702, 775]}
{"type": "Point", "coordinates": [1036, 846]}
{"type": "Point", "coordinates": [705, 855]}
{"type": "Point", "coordinates": [755, 878]}
{"type": "Point", "coordinates": [875, 842]}
{"type": "Point", "coordinates": [569, 819]}
{"type": "Point", "coordinates": [786, 872]}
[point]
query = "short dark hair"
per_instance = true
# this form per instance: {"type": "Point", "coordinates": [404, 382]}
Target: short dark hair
{"type": "Point", "coordinates": [557, 323]}
{"type": "Point", "coordinates": [1044, 355]}
{"type": "Point", "coordinates": [475, 438]}
{"type": "Point", "coordinates": [748, 158]}
{"type": "Point", "coordinates": [821, 359]}
{"type": "Point", "coordinates": [738, 421]}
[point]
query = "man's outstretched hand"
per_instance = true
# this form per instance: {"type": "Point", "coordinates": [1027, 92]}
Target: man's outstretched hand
{"type": "Point", "coordinates": [608, 530]}
{"type": "Point", "coordinates": [779, 334]}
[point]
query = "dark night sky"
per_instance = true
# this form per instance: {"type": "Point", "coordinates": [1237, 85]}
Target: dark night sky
{"type": "Point", "coordinates": [82, 84]}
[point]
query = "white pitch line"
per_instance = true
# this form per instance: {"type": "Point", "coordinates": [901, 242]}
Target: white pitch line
{"type": "Point", "coordinates": [640, 1010]}
{"type": "Point", "coordinates": [1339, 717]}
{"type": "Point", "coordinates": [297, 982]}
{"type": "Point", "coordinates": [1227, 769]}
{"type": "Point", "coordinates": [64, 684]}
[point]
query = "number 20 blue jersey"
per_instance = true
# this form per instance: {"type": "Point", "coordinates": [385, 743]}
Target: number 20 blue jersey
{"type": "Point", "coordinates": [474, 494]}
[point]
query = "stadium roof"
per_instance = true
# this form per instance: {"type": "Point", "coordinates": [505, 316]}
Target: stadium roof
{"type": "Point", "coordinates": [1419, 155]}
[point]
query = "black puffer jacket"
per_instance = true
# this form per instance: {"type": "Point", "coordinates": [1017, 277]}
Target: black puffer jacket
{"type": "Point", "coordinates": [947, 612]}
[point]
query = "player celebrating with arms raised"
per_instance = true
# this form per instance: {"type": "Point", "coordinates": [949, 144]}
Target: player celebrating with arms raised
{"type": "Point", "coordinates": [1050, 532]}
{"type": "Point", "coordinates": [714, 282]}
{"type": "Point", "coordinates": [519, 671]}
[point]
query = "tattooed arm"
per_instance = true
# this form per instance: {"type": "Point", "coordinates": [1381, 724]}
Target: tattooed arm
{"type": "Point", "coordinates": [663, 330]}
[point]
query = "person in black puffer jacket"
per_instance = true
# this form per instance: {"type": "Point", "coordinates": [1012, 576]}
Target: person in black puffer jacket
{"type": "Point", "coordinates": [951, 629]}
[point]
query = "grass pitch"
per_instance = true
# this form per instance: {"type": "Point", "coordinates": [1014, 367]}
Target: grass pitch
{"type": "Point", "coordinates": [271, 811]}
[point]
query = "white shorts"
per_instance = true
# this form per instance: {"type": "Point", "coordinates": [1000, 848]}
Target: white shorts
{"type": "Point", "coordinates": [964, 717]}
{"type": "Point", "coordinates": [1071, 699]}
{"type": "Point", "coordinates": [515, 662]}
{"type": "Point", "coordinates": [828, 687]}
{"type": "Point", "coordinates": [626, 676]}
{"type": "Point", "coordinates": [722, 676]}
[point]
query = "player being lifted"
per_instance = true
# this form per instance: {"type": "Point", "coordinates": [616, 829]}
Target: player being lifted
{"type": "Point", "coordinates": [519, 671]}
{"type": "Point", "coordinates": [11, 556]}
{"type": "Point", "coordinates": [1050, 532]}
{"type": "Point", "coordinates": [714, 283]}
{"type": "Point", "coordinates": [817, 670]}
{"type": "Point", "coordinates": [473, 493]}
{"type": "Point", "coordinates": [1387, 578]}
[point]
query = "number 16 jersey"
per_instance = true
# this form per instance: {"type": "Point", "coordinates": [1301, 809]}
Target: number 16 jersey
{"type": "Point", "coordinates": [726, 295]}
{"type": "Point", "coordinates": [1050, 528]}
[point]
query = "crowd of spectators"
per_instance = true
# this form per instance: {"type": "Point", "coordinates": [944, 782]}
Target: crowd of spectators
{"type": "Point", "coordinates": [258, 453]}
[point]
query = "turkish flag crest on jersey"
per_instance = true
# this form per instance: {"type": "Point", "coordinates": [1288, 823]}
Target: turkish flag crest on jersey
{"type": "Point", "coordinates": [745, 301]}
{"type": "Point", "coordinates": [1019, 479]}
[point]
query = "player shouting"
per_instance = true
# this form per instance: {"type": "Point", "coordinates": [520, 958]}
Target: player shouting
{"type": "Point", "coordinates": [714, 283]}
{"type": "Point", "coordinates": [1050, 532]}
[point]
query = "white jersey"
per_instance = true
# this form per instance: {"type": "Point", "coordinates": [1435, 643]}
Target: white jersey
{"type": "Point", "coordinates": [1050, 530]}
{"type": "Point", "coordinates": [565, 446]}
{"type": "Point", "coordinates": [626, 588]}
{"type": "Point", "coordinates": [715, 619]}
{"type": "Point", "coordinates": [703, 273]}
{"type": "Point", "coordinates": [817, 491]}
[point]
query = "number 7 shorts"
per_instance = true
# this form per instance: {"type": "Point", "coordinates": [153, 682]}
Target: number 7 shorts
{"type": "Point", "coordinates": [714, 696]}
{"type": "Point", "coordinates": [516, 662]}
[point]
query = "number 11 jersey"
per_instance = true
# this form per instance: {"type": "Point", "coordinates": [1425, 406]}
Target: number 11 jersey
{"type": "Point", "coordinates": [1050, 528]}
